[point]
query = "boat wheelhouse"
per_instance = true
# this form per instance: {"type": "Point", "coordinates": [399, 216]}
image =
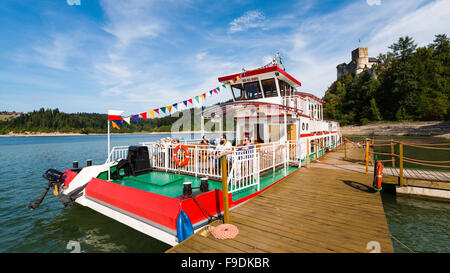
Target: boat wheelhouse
{"type": "Point", "coordinates": [144, 187]}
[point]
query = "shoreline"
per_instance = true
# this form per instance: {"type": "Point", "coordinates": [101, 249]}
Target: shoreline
{"type": "Point", "coordinates": [415, 128]}
{"type": "Point", "coordinates": [34, 134]}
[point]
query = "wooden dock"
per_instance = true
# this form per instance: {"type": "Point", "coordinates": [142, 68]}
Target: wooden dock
{"type": "Point", "coordinates": [312, 210]}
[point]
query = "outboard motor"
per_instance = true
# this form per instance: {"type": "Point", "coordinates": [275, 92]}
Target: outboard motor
{"type": "Point", "coordinates": [54, 178]}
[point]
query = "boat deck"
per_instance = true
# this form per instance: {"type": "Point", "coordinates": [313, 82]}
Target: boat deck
{"type": "Point", "coordinates": [312, 210]}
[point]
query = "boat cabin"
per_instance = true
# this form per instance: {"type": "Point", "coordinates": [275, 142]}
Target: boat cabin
{"type": "Point", "coordinates": [268, 107]}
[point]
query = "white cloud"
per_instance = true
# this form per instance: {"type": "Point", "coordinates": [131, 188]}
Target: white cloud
{"type": "Point", "coordinates": [373, 2]}
{"type": "Point", "coordinates": [251, 19]}
{"type": "Point", "coordinates": [74, 2]}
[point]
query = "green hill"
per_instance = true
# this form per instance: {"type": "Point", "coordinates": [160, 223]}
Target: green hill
{"type": "Point", "coordinates": [412, 84]}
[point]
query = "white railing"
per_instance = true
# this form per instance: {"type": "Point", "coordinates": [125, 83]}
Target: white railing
{"type": "Point", "coordinates": [117, 153]}
{"type": "Point", "coordinates": [245, 171]}
{"type": "Point", "coordinates": [244, 166]}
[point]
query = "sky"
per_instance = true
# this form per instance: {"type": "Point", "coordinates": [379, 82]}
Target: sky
{"type": "Point", "coordinates": [137, 55]}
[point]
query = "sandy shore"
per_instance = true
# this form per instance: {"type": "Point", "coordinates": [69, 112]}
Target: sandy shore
{"type": "Point", "coordinates": [28, 134]}
{"type": "Point", "coordinates": [417, 128]}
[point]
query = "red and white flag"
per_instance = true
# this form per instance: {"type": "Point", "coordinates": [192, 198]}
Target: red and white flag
{"type": "Point", "coordinates": [115, 115]}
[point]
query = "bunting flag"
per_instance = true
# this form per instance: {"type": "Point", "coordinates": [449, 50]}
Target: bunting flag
{"type": "Point", "coordinates": [115, 124]}
{"type": "Point", "coordinates": [114, 115]}
{"type": "Point", "coordinates": [136, 118]}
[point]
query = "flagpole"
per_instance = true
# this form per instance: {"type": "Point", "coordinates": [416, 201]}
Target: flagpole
{"type": "Point", "coordinates": [109, 149]}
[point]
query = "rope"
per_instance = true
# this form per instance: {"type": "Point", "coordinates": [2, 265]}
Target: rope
{"type": "Point", "coordinates": [430, 165]}
{"type": "Point", "coordinates": [402, 243]}
{"type": "Point", "coordinates": [425, 161]}
{"type": "Point", "coordinates": [425, 147]}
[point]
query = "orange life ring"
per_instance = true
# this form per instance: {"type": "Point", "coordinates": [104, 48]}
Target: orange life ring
{"type": "Point", "coordinates": [378, 175]}
{"type": "Point", "coordinates": [187, 155]}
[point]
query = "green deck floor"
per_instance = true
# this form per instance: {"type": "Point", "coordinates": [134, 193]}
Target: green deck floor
{"type": "Point", "coordinates": [171, 185]}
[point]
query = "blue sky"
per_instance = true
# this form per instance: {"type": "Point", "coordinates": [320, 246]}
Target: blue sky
{"type": "Point", "coordinates": [136, 55]}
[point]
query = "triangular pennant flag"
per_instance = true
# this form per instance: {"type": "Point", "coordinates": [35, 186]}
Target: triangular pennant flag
{"type": "Point", "coordinates": [175, 105]}
{"type": "Point", "coordinates": [190, 100]}
{"type": "Point", "coordinates": [169, 107]}
{"type": "Point", "coordinates": [224, 85]}
{"type": "Point", "coordinates": [215, 91]}
{"type": "Point", "coordinates": [136, 118]}
{"type": "Point", "coordinates": [210, 92]}
{"type": "Point", "coordinates": [156, 110]}
{"type": "Point", "coordinates": [163, 109]}
{"type": "Point", "coordinates": [151, 112]}
{"type": "Point", "coordinates": [144, 115]}
{"type": "Point", "coordinates": [185, 103]}
{"type": "Point", "coordinates": [197, 99]}
{"type": "Point", "coordinates": [114, 124]}
{"type": "Point", "coordinates": [203, 96]}
{"type": "Point", "coordinates": [238, 78]}
{"type": "Point", "coordinates": [127, 119]}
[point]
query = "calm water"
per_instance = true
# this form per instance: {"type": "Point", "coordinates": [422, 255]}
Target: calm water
{"type": "Point", "coordinates": [421, 225]}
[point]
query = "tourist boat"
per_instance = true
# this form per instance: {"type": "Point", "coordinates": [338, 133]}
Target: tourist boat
{"type": "Point", "coordinates": [142, 186]}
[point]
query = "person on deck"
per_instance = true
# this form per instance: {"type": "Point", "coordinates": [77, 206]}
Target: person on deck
{"type": "Point", "coordinates": [212, 140]}
{"type": "Point", "coordinates": [204, 140]}
{"type": "Point", "coordinates": [223, 147]}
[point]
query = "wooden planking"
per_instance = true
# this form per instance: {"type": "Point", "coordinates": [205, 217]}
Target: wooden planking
{"type": "Point", "coordinates": [313, 210]}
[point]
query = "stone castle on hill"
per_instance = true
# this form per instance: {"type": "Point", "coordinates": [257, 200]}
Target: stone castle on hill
{"type": "Point", "coordinates": [360, 62]}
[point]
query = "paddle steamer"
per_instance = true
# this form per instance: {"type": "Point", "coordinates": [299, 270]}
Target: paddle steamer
{"type": "Point", "coordinates": [142, 186]}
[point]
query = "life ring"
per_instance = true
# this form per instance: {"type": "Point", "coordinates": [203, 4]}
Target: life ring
{"type": "Point", "coordinates": [187, 155]}
{"type": "Point", "coordinates": [378, 176]}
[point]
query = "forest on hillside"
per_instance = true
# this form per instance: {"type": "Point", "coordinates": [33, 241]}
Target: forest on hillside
{"type": "Point", "coordinates": [411, 84]}
{"type": "Point", "coordinates": [52, 120]}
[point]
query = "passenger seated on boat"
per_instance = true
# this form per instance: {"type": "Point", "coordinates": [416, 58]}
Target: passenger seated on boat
{"type": "Point", "coordinates": [175, 141]}
{"type": "Point", "coordinates": [224, 147]}
{"type": "Point", "coordinates": [247, 145]}
{"type": "Point", "coordinates": [204, 140]}
{"type": "Point", "coordinates": [212, 140]}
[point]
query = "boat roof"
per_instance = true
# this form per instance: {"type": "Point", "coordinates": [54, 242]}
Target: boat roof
{"type": "Point", "coordinates": [304, 94]}
{"type": "Point", "coordinates": [262, 70]}
{"type": "Point", "coordinates": [232, 107]}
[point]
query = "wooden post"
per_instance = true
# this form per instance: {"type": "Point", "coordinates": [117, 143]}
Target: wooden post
{"type": "Point", "coordinates": [367, 155]}
{"type": "Point", "coordinates": [345, 149]}
{"type": "Point", "coordinates": [392, 152]}
{"type": "Point", "coordinates": [226, 208]}
{"type": "Point", "coordinates": [307, 154]}
{"type": "Point", "coordinates": [400, 151]}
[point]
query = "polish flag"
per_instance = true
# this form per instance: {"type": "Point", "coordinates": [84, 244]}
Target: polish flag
{"type": "Point", "coordinates": [115, 115]}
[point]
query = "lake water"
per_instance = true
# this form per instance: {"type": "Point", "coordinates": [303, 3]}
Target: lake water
{"type": "Point", "coordinates": [421, 225]}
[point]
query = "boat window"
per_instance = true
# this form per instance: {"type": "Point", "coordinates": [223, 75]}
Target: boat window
{"type": "Point", "coordinates": [283, 88]}
{"type": "Point", "coordinates": [237, 91]}
{"type": "Point", "coordinates": [269, 87]}
{"type": "Point", "coordinates": [252, 90]}
{"type": "Point", "coordinates": [303, 126]}
{"type": "Point", "coordinates": [306, 126]}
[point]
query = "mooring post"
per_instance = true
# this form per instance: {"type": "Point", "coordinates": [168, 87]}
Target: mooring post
{"type": "Point", "coordinates": [345, 149]}
{"type": "Point", "coordinates": [392, 152]}
{"type": "Point", "coordinates": [226, 208]}
{"type": "Point", "coordinates": [307, 154]}
{"type": "Point", "coordinates": [400, 151]}
{"type": "Point", "coordinates": [367, 155]}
